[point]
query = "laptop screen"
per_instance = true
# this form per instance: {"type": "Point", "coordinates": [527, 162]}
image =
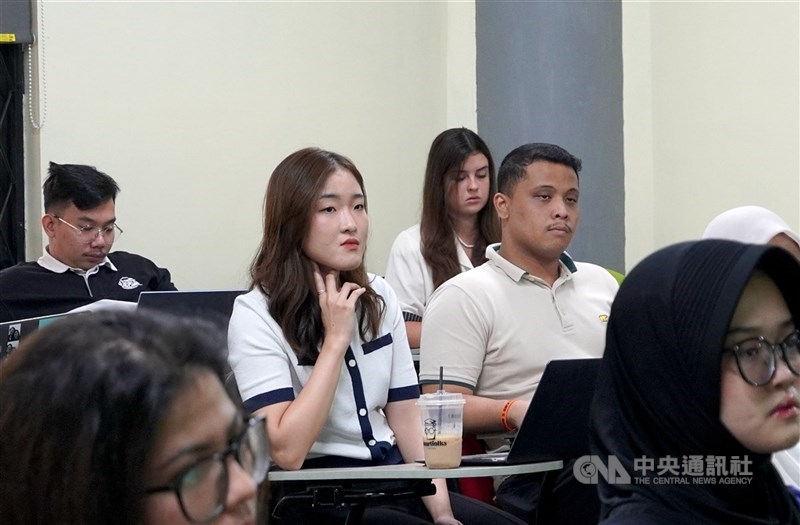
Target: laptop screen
{"type": "Point", "coordinates": [212, 305]}
{"type": "Point", "coordinates": [12, 332]}
{"type": "Point", "coordinates": [556, 425]}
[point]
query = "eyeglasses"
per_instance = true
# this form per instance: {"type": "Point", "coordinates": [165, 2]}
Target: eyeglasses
{"type": "Point", "coordinates": [202, 488]}
{"type": "Point", "coordinates": [757, 358]}
{"type": "Point", "coordinates": [87, 234]}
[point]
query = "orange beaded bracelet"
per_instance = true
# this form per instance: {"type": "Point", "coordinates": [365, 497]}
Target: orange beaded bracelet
{"type": "Point", "coordinates": [504, 416]}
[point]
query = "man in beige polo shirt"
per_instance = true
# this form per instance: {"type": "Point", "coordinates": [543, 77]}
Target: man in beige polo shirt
{"type": "Point", "coordinates": [494, 328]}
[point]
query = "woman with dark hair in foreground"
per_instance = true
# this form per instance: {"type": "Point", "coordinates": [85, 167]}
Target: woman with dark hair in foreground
{"type": "Point", "coordinates": [123, 418]}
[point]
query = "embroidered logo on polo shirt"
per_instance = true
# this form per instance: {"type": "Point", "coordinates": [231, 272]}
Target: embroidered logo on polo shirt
{"type": "Point", "coordinates": [603, 318]}
{"type": "Point", "coordinates": [129, 283]}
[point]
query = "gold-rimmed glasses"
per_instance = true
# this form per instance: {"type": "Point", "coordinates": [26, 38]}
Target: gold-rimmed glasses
{"type": "Point", "coordinates": [87, 234]}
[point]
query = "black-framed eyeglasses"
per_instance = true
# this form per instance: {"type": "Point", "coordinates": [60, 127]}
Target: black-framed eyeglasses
{"type": "Point", "coordinates": [87, 234]}
{"type": "Point", "coordinates": [757, 358]}
{"type": "Point", "coordinates": [202, 488]}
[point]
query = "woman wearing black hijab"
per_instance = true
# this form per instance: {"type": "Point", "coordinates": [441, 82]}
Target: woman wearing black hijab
{"type": "Point", "coordinates": [678, 380]}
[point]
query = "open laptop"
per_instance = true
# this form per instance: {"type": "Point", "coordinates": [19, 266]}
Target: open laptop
{"type": "Point", "coordinates": [556, 426]}
{"type": "Point", "coordinates": [213, 305]}
{"type": "Point", "coordinates": [12, 332]}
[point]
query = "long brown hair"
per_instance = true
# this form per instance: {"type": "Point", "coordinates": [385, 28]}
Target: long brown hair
{"type": "Point", "coordinates": [448, 152]}
{"type": "Point", "coordinates": [283, 272]}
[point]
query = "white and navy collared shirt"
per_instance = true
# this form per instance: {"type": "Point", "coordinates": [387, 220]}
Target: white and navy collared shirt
{"type": "Point", "coordinates": [373, 373]}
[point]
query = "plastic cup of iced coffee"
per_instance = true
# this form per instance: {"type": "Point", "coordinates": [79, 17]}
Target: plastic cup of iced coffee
{"type": "Point", "coordinates": [442, 425]}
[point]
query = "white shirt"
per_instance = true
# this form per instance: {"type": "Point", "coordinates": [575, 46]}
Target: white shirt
{"type": "Point", "coordinates": [373, 373]}
{"type": "Point", "coordinates": [49, 262]}
{"type": "Point", "coordinates": [409, 274]}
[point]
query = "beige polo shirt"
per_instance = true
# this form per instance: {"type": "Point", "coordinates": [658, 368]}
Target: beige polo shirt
{"type": "Point", "coordinates": [494, 328]}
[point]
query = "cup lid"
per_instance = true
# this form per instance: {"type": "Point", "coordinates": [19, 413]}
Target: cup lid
{"type": "Point", "coordinates": [441, 398]}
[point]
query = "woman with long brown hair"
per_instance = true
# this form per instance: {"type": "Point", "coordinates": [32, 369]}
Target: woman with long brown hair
{"type": "Point", "coordinates": [318, 345]}
{"type": "Point", "coordinates": [458, 222]}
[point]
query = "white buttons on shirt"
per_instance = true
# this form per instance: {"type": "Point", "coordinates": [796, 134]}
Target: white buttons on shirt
{"type": "Point", "coordinates": [362, 412]}
{"type": "Point", "coordinates": [351, 363]}
{"type": "Point", "coordinates": [371, 442]}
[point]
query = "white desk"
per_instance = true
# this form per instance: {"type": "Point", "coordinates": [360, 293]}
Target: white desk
{"type": "Point", "coordinates": [410, 471]}
{"type": "Point", "coordinates": [334, 493]}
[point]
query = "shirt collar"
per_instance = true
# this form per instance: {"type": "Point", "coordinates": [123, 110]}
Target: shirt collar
{"type": "Point", "coordinates": [49, 262]}
{"type": "Point", "coordinates": [565, 262]}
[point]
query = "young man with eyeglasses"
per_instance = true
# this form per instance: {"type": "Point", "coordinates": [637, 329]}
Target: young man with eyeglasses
{"type": "Point", "coordinates": [77, 267]}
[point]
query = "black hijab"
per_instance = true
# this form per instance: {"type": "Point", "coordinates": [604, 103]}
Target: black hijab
{"type": "Point", "coordinates": [658, 390]}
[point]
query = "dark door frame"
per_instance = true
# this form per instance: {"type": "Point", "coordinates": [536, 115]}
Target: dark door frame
{"type": "Point", "coordinates": [12, 170]}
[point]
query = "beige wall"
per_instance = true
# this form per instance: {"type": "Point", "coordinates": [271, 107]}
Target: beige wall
{"type": "Point", "coordinates": [190, 105]}
{"type": "Point", "coordinates": [712, 115]}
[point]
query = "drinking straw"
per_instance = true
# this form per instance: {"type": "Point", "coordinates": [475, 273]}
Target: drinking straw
{"type": "Point", "coordinates": [441, 391]}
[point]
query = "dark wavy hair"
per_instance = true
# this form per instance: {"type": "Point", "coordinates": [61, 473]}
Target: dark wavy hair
{"type": "Point", "coordinates": [283, 272]}
{"type": "Point", "coordinates": [448, 152]}
{"type": "Point", "coordinates": [80, 403]}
